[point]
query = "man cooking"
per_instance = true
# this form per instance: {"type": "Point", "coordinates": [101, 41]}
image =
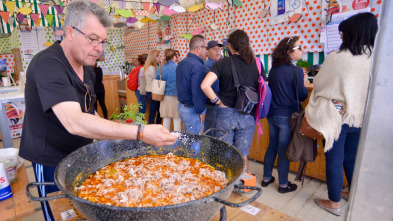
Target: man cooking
{"type": "Point", "coordinates": [60, 115]}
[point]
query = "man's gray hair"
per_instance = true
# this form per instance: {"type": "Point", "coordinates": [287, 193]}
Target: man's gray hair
{"type": "Point", "coordinates": [78, 11]}
{"type": "Point", "coordinates": [197, 41]}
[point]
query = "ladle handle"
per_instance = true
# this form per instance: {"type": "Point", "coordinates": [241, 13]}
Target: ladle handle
{"type": "Point", "coordinates": [252, 199]}
{"type": "Point", "coordinates": [30, 196]}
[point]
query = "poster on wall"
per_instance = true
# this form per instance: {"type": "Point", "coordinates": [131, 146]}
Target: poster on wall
{"type": "Point", "coordinates": [282, 10]}
{"type": "Point", "coordinates": [15, 114]}
{"type": "Point", "coordinates": [331, 7]}
{"type": "Point", "coordinates": [7, 62]}
{"type": "Point", "coordinates": [333, 38]}
{"type": "Point", "coordinates": [163, 35]}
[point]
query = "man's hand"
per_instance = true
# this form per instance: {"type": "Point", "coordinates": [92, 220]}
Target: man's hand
{"type": "Point", "coordinates": [202, 116]}
{"type": "Point", "coordinates": [157, 135]}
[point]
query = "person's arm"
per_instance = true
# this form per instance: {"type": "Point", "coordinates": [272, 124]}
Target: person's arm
{"type": "Point", "coordinates": [206, 87]}
{"type": "Point", "coordinates": [87, 125]}
{"type": "Point", "coordinates": [198, 97]}
{"type": "Point", "coordinates": [302, 90]}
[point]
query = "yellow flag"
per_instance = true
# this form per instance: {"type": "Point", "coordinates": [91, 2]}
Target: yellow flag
{"type": "Point", "coordinates": [10, 6]}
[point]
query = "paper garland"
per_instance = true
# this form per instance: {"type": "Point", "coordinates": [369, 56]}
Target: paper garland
{"type": "Point", "coordinates": [10, 6]}
{"type": "Point", "coordinates": [5, 16]}
{"type": "Point", "coordinates": [43, 8]}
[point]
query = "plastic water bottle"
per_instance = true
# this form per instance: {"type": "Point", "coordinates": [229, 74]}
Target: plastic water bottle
{"type": "Point", "coordinates": [5, 188]}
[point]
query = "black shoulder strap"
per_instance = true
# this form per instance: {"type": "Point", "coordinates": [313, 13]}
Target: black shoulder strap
{"type": "Point", "coordinates": [234, 73]}
{"type": "Point", "coordinates": [297, 95]}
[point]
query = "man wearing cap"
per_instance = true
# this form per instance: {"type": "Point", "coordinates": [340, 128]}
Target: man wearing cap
{"type": "Point", "coordinates": [214, 50]}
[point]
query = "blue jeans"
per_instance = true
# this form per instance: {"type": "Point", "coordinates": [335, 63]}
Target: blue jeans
{"type": "Point", "coordinates": [191, 120]}
{"type": "Point", "coordinates": [279, 138]}
{"type": "Point", "coordinates": [154, 110]}
{"type": "Point", "coordinates": [45, 174]}
{"type": "Point", "coordinates": [342, 154]}
{"type": "Point", "coordinates": [142, 100]}
{"type": "Point", "coordinates": [240, 128]}
{"type": "Point", "coordinates": [210, 119]}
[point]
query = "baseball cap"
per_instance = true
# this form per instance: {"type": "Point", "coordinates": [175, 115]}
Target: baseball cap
{"type": "Point", "coordinates": [211, 44]}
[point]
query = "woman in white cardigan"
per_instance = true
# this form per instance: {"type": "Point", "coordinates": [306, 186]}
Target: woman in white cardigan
{"type": "Point", "coordinates": [150, 69]}
{"type": "Point", "coordinates": [338, 101]}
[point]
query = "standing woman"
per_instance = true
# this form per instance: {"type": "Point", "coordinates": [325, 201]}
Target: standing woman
{"type": "Point", "coordinates": [151, 66]}
{"type": "Point", "coordinates": [240, 127]}
{"type": "Point", "coordinates": [282, 82]}
{"type": "Point", "coordinates": [168, 106]}
{"type": "Point", "coordinates": [140, 93]}
{"type": "Point", "coordinates": [337, 103]}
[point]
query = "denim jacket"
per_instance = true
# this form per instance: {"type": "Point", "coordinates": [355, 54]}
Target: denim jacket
{"type": "Point", "coordinates": [169, 75]}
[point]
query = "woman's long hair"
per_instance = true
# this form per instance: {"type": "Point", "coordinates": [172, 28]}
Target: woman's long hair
{"type": "Point", "coordinates": [151, 59]}
{"type": "Point", "coordinates": [169, 54]}
{"type": "Point", "coordinates": [281, 54]}
{"type": "Point", "coordinates": [358, 33]}
{"type": "Point", "coordinates": [241, 43]}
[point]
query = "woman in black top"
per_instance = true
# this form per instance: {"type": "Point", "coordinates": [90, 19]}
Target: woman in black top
{"type": "Point", "coordinates": [284, 103]}
{"type": "Point", "coordinates": [240, 127]}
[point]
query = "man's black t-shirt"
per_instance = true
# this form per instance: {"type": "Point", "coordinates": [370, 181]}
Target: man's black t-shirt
{"type": "Point", "coordinates": [51, 80]}
{"type": "Point", "coordinates": [248, 76]}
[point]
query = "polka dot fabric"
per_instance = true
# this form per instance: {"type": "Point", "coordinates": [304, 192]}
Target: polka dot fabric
{"type": "Point", "coordinates": [114, 57]}
{"type": "Point", "coordinates": [10, 62]}
{"type": "Point", "coordinates": [5, 45]}
{"type": "Point", "coordinates": [263, 36]}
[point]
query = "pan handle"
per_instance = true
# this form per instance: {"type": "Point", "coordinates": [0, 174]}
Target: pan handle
{"type": "Point", "coordinates": [30, 196]}
{"type": "Point", "coordinates": [208, 130]}
{"type": "Point", "coordinates": [252, 199]}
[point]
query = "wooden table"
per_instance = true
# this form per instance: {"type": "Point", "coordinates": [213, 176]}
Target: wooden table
{"type": "Point", "coordinates": [19, 205]}
{"type": "Point", "coordinates": [233, 214]}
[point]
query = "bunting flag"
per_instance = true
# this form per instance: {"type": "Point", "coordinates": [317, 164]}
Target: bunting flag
{"type": "Point", "coordinates": [38, 22]}
{"type": "Point", "coordinates": [108, 2]}
{"type": "Point", "coordinates": [43, 8]}
{"type": "Point", "coordinates": [94, 1]}
{"type": "Point", "coordinates": [135, 5]}
{"type": "Point", "coordinates": [35, 17]}
{"type": "Point", "coordinates": [61, 3]}
{"type": "Point", "coordinates": [146, 6]}
{"type": "Point", "coordinates": [20, 17]}
{"type": "Point", "coordinates": [5, 16]}
{"type": "Point", "coordinates": [122, 4]}
{"type": "Point", "coordinates": [10, 6]}
{"type": "Point", "coordinates": [11, 20]}
{"type": "Point", "coordinates": [153, 9]}
{"type": "Point", "coordinates": [61, 21]}
{"type": "Point", "coordinates": [49, 19]}
{"type": "Point", "coordinates": [142, 12]}
{"type": "Point", "coordinates": [158, 6]}
{"type": "Point", "coordinates": [59, 9]}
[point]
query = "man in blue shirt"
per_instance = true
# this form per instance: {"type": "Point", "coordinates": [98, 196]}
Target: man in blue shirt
{"type": "Point", "coordinates": [190, 73]}
{"type": "Point", "coordinates": [214, 50]}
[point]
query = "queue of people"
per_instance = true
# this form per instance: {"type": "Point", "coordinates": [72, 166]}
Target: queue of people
{"type": "Point", "coordinates": [200, 93]}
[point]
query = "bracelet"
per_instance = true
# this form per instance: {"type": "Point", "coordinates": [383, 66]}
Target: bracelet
{"type": "Point", "coordinates": [138, 133]}
{"type": "Point", "coordinates": [215, 100]}
{"type": "Point", "coordinates": [141, 134]}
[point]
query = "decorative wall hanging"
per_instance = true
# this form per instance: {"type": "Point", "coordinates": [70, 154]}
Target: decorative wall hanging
{"type": "Point", "coordinates": [213, 6]}
{"type": "Point", "coordinates": [195, 7]}
{"type": "Point", "coordinates": [264, 11]}
{"type": "Point", "coordinates": [167, 2]}
{"type": "Point", "coordinates": [177, 8]}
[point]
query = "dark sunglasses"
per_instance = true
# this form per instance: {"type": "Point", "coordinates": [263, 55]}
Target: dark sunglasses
{"type": "Point", "coordinates": [88, 105]}
{"type": "Point", "coordinates": [298, 47]}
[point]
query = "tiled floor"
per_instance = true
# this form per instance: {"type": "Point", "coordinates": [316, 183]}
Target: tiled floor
{"type": "Point", "coordinates": [299, 204]}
